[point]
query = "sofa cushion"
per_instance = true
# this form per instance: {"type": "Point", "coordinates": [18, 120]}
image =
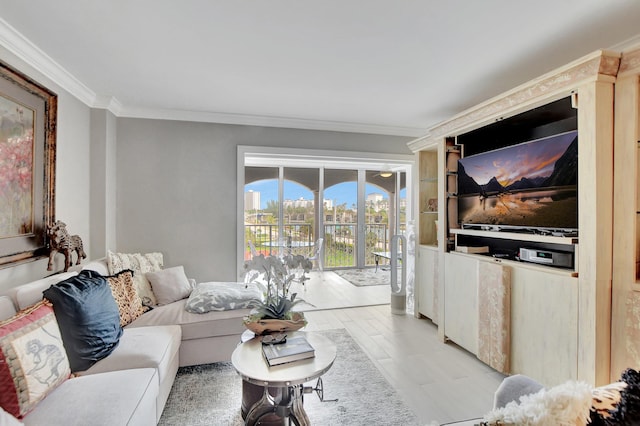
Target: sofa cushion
{"type": "Point", "coordinates": [146, 347]}
{"type": "Point", "coordinates": [140, 264]}
{"type": "Point", "coordinates": [194, 326]}
{"type": "Point", "coordinates": [88, 317]}
{"type": "Point", "coordinates": [29, 294]}
{"type": "Point", "coordinates": [118, 398]}
{"type": "Point", "coordinates": [222, 296]}
{"type": "Point", "coordinates": [7, 310]}
{"type": "Point", "coordinates": [32, 358]}
{"type": "Point", "coordinates": [169, 285]}
{"type": "Point", "coordinates": [126, 296]}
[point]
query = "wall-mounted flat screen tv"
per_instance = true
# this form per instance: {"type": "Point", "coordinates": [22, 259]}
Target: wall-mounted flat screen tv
{"type": "Point", "coordinates": [528, 186]}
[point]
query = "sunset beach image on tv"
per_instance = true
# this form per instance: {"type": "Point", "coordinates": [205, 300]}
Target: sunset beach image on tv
{"type": "Point", "coordinates": [529, 185]}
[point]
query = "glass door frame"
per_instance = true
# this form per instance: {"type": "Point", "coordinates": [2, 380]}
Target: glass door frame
{"type": "Point", "coordinates": [362, 222]}
{"type": "Point", "coordinates": [320, 160]}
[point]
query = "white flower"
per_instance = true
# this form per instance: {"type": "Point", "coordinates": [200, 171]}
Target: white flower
{"type": "Point", "coordinates": [275, 275]}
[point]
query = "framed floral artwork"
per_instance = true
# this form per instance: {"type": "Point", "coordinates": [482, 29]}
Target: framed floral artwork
{"type": "Point", "coordinates": [28, 113]}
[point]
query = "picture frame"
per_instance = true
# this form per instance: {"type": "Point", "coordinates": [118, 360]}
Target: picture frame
{"type": "Point", "coordinates": [28, 123]}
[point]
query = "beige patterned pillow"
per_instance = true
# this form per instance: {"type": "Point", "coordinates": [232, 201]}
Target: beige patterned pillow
{"type": "Point", "coordinates": [126, 295]}
{"type": "Point", "coordinates": [34, 358]}
{"type": "Point", "coordinates": [140, 264]}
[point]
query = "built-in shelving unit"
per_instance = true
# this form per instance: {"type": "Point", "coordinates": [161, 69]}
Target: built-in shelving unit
{"type": "Point", "coordinates": [537, 238]}
{"type": "Point", "coordinates": [428, 202]}
{"type": "Point", "coordinates": [452, 155]}
{"type": "Point", "coordinates": [625, 306]}
{"type": "Point", "coordinates": [550, 306]}
{"type": "Point", "coordinates": [553, 118]}
{"type": "Point", "coordinates": [521, 265]}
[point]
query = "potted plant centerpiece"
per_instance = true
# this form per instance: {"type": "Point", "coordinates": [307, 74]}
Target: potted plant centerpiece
{"type": "Point", "coordinates": [274, 275]}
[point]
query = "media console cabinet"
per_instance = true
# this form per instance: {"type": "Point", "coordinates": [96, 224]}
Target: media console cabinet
{"type": "Point", "coordinates": [558, 320]}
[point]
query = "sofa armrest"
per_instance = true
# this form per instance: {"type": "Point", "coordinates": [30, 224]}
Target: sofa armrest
{"type": "Point", "coordinates": [7, 309]}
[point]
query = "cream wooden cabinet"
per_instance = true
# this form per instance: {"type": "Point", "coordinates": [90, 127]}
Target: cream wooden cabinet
{"type": "Point", "coordinates": [428, 263]}
{"type": "Point", "coordinates": [544, 315]}
{"type": "Point", "coordinates": [625, 315]}
{"type": "Point", "coordinates": [461, 300]}
{"type": "Point", "coordinates": [428, 210]}
{"type": "Point", "coordinates": [544, 324]}
{"type": "Point", "coordinates": [584, 341]}
{"type": "Point", "coordinates": [428, 197]}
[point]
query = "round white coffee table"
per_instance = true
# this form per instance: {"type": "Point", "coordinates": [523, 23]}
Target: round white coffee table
{"type": "Point", "coordinates": [285, 381]}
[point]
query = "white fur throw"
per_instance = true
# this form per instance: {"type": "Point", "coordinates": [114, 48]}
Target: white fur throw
{"type": "Point", "coordinates": [567, 404]}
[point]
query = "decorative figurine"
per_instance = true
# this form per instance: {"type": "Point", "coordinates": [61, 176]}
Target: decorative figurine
{"type": "Point", "coordinates": [61, 241]}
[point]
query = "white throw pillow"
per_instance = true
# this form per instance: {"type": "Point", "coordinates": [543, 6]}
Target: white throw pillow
{"type": "Point", "coordinates": [169, 285]}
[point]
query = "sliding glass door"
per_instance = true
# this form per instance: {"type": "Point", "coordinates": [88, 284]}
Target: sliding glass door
{"type": "Point", "coordinates": [261, 210]}
{"type": "Point", "coordinates": [341, 218]}
{"type": "Point", "coordinates": [299, 204]}
{"type": "Point", "coordinates": [385, 211]}
{"type": "Point", "coordinates": [356, 210]}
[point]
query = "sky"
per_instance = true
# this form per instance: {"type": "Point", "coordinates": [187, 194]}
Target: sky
{"type": "Point", "coordinates": [531, 159]}
{"type": "Point", "coordinates": [341, 193]}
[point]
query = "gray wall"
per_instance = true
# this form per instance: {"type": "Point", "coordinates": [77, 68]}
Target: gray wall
{"type": "Point", "coordinates": [72, 174]}
{"type": "Point", "coordinates": [176, 186]}
{"type": "Point", "coordinates": [103, 182]}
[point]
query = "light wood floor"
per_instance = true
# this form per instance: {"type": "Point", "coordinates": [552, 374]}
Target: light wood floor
{"type": "Point", "coordinates": [327, 290]}
{"type": "Point", "coordinates": [439, 382]}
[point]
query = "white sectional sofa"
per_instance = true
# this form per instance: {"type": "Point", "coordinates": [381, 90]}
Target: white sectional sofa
{"type": "Point", "coordinates": [131, 385]}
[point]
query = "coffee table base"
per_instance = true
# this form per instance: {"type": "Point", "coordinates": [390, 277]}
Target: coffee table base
{"type": "Point", "coordinates": [276, 394]}
{"type": "Point", "coordinates": [275, 405]}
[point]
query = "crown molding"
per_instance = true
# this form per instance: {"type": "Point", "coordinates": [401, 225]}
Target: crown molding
{"type": "Point", "coordinates": [109, 103]}
{"type": "Point", "coordinates": [601, 65]}
{"type": "Point", "coordinates": [423, 143]}
{"type": "Point", "coordinates": [28, 52]}
{"type": "Point", "coordinates": [630, 44]}
{"type": "Point", "coordinates": [266, 121]}
{"type": "Point", "coordinates": [24, 49]}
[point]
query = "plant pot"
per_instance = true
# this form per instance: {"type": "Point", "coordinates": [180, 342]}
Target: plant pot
{"type": "Point", "coordinates": [266, 326]}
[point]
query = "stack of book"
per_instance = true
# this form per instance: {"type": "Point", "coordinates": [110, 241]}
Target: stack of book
{"type": "Point", "coordinates": [294, 349]}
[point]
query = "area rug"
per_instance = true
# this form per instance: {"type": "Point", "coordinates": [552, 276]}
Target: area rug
{"type": "Point", "coordinates": [366, 276]}
{"type": "Point", "coordinates": [211, 394]}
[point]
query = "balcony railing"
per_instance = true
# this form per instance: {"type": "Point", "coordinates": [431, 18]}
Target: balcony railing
{"type": "Point", "coordinates": [339, 241]}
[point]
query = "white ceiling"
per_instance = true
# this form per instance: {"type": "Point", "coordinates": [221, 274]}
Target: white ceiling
{"type": "Point", "coordinates": [373, 66]}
